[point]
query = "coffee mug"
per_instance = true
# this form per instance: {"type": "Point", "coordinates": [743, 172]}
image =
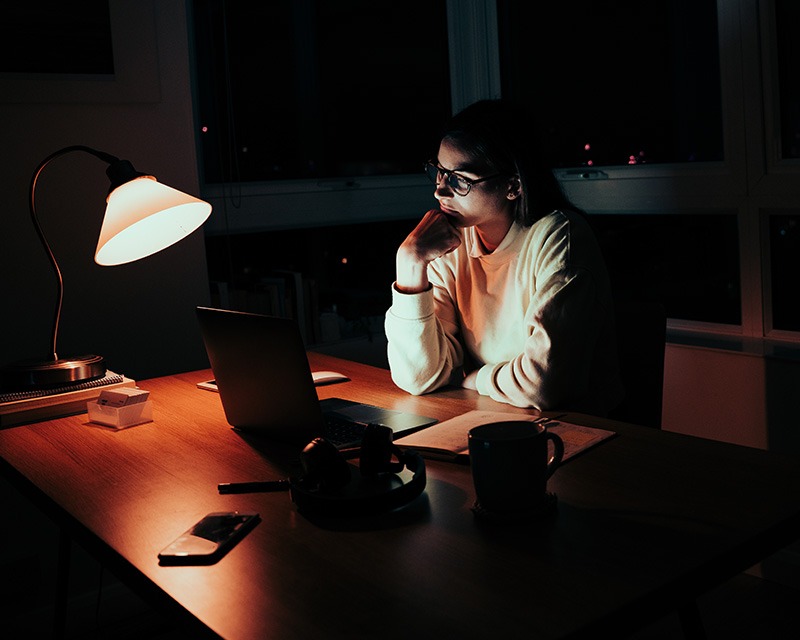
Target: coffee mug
{"type": "Point", "coordinates": [511, 463]}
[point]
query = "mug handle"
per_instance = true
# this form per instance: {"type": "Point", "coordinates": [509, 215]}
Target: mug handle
{"type": "Point", "coordinates": [558, 453]}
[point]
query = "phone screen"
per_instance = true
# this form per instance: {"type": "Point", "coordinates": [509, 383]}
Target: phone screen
{"type": "Point", "coordinates": [209, 539]}
{"type": "Point", "coordinates": [219, 527]}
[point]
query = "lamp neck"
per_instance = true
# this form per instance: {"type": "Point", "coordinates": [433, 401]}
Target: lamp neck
{"type": "Point", "coordinates": [119, 171]}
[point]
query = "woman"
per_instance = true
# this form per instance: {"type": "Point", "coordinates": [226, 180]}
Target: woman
{"type": "Point", "coordinates": [503, 288]}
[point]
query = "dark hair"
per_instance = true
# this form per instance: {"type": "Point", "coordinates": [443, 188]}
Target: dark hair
{"type": "Point", "coordinates": [499, 137]}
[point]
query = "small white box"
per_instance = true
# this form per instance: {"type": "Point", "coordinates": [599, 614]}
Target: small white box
{"type": "Point", "coordinates": [122, 397]}
{"type": "Point", "coordinates": [121, 417]}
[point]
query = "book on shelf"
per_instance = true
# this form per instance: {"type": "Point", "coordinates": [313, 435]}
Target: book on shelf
{"type": "Point", "coordinates": [274, 289]}
{"type": "Point", "coordinates": [21, 407]}
{"type": "Point", "coordinates": [294, 295]}
{"type": "Point", "coordinates": [448, 440]}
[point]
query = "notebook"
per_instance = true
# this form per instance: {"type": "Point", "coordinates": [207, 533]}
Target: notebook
{"type": "Point", "coordinates": [266, 386]}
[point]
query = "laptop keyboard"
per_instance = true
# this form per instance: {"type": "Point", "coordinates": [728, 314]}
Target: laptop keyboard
{"type": "Point", "coordinates": [341, 431]}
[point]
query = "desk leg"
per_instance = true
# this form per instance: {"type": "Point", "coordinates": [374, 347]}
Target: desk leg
{"type": "Point", "coordinates": [62, 585]}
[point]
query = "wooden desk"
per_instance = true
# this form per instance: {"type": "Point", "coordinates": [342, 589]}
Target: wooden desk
{"type": "Point", "coordinates": [645, 521]}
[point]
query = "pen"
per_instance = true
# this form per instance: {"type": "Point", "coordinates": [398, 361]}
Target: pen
{"type": "Point", "coordinates": [253, 487]}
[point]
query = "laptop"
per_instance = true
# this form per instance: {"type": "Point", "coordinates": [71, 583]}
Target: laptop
{"type": "Point", "coordinates": [267, 389]}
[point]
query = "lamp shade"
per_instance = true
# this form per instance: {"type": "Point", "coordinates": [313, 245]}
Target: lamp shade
{"type": "Point", "coordinates": [143, 217]}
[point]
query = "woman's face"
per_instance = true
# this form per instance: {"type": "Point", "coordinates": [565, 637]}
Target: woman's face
{"type": "Point", "coordinates": [486, 205]}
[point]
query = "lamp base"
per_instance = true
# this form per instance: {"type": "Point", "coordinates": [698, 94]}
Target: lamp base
{"type": "Point", "coordinates": [43, 374]}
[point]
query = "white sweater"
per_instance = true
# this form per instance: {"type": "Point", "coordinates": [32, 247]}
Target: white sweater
{"type": "Point", "coordinates": [535, 317]}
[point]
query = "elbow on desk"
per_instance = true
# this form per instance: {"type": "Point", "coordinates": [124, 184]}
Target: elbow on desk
{"type": "Point", "coordinates": [410, 386]}
{"type": "Point", "coordinates": [413, 385]}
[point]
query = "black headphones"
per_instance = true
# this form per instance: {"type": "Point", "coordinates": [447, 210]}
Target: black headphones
{"type": "Point", "coordinates": [332, 486]}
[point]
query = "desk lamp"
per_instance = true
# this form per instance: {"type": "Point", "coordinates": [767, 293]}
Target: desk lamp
{"type": "Point", "coordinates": [142, 217]}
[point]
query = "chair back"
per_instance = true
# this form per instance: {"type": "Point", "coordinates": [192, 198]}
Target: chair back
{"type": "Point", "coordinates": [641, 337]}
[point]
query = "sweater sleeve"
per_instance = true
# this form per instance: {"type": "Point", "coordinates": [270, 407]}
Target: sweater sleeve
{"type": "Point", "coordinates": [555, 365]}
{"type": "Point", "coordinates": [421, 330]}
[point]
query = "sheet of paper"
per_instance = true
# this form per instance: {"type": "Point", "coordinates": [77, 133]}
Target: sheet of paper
{"type": "Point", "coordinates": [577, 437]}
{"type": "Point", "coordinates": [450, 436]}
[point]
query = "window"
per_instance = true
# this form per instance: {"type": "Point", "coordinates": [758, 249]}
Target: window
{"type": "Point", "coordinates": [784, 242]}
{"type": "Point", "coordinates": [787, 14]}
{"type": "Point", "coordinates": [314, 89]}
{"type": "Point", "coordinates": [688, 262]}
{"type": "Point", "coordinates": [619, 82]}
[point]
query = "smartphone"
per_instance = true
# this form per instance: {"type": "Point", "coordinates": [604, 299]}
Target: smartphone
{"type": "Point", "coordinates": [209, 539]}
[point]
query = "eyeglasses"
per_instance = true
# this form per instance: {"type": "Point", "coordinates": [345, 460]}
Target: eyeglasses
{"type": "Point", "coordinates": [455, 181]}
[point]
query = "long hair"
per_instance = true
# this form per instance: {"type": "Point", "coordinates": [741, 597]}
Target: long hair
{"type": "Point", "coordinates": [499, 137]}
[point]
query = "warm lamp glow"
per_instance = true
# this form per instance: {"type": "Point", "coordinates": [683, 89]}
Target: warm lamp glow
{"type": "Point", "coordinates": [143, 217]}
